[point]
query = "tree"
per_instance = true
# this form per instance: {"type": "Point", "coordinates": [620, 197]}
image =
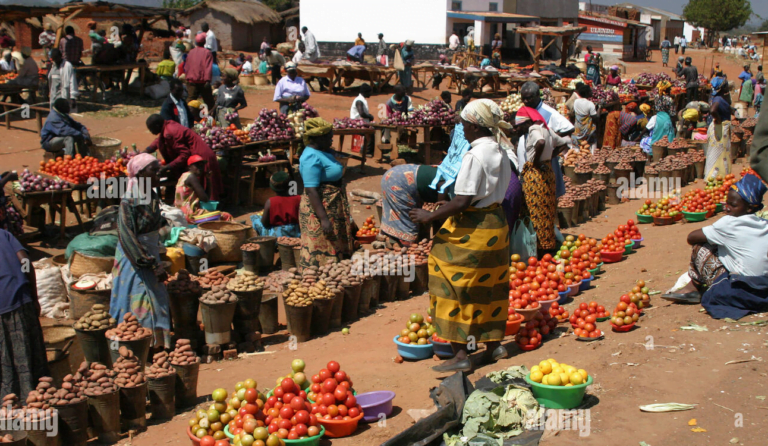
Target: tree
{"type": "Point", "coordinates": [179, 4]}
{"type": "Point", "coordinates": [764, 26]}
{"type": "Point", "coordinates": [718, 15]}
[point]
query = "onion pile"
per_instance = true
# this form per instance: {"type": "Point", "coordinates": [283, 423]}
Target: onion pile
{"type": "Point", "coordinates": [296, 119]}
{"type": "Point", "coordinates": [628, 89]}
{"type": "Point", "coordinates": [511, 104]}
{"type": "Point", "coordinates": [435, 112]}
{"type": "Point", "coordinates": [270, 125]}
{"type": "Point", "coordinates": [35, 183]}
{"type": "Point", "coordinates": [397, 119]}
{"type": "Point", "coordinates": [217, 138]}
{"type": "Point", "coordinates": [651, 79]}
{"type": "Point", "coordinates": [602, 96]}
{"type": "Point", "coordinates": [267, 158]}
{"type": "Point", "coordinates": [125, 154]}
{"type": "Point", "coordinates": [348, 123]}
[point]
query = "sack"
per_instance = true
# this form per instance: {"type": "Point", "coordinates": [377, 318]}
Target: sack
{"type": "Point", "coordinates": [50, 287]}
{"type": "Point", "coordinates": [157, 91]}
{"type": "Point", "coordinates": [92, 245]}
{"type": "Point", "coordinates": [399, 64]}
{"type": "Point", "coordinates": [384, 60]}
{"type": "Point", "coordinates": [357, 143]}
{"type": "Point", "coordinates": [523, 238]}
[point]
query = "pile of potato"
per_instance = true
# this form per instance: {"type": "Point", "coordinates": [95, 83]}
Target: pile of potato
{"type": "Point", "coordinates": [298, 295]}
{"type": "Point", "coordinates": [9, 400]}
{"type": "Point", "coordinates": [250, 247]}
{"type": "Point", "coordinates": [97, 379]}
{"type": "Point", "coordinates": [128, 369]}
{"type": "Point", "coordinates": [96, 319]}
{"type": "Point", "coordinates": [128, 330]}
{"type": "Point", "coordinates": [246, 282]}
{"type": "Point", "coordinates": [183, 354]}
{"type": "Point", "coordinates": [211, 278]}
{"type": "Point", "coordinates": [218, 295]}
{"type": "Point", "coordinates": [420, 251]}
{"type": "Point", "coordinates": [183, 284]}
{"type": "Point", "coordinates": [7, 438]}
{"type": "Point", "coordinates": [339, 273]}
{"type": "Point", "coordinates": [574, 156]}
{"type": "Point", "coordinates": [161, 366]}
{"type": "Point", "coordinates": [46, 395]}
{"type": "Point", "coordinates": [289, 241]}
{"type": "Point", "coordinates": [277, 281]}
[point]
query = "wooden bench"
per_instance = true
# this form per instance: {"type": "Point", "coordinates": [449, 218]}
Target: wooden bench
{"type": "Point", "coordinates": [11, 107]}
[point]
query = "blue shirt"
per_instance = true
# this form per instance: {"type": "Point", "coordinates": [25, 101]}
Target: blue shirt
{"type": "Point", "coordinates": [357, 51]}
{"type": "Point", "coordinates": [287, 87]}
{"type": "Point", "coordinates": [13, 281]}
{"type": "Point", "coordinates": [183, 118]}
{"type": "Point", "coordinates": [745, 76]}
{"type": "Point", "coordinates": [317, 167]}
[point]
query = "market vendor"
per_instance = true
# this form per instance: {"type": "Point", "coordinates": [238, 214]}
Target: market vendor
{"type": "Point", "coordinates": [679, 67]}
{"type": "Point", "coordinates": [719, 88]}
{"type": "Point", "coordinates": [62, 132]}
{"type": "Point", "coordinates": [8, 63]}
{"type": "Point", "coordinates": [745, 95]}
{"type": "Point", "coordinates": [355, 54]}
{"type": "Point", "coordinates": [28, 75]}
{"type": "Point", "coordinates": [628, 119]}
{"type": "Point", "coordinates": [190, 190]}
{"type": "Point", "coordinates": [661, 123]}
{"type": "Point", "coordinates": [5, 204]}
{"type": "Point", "coordinates": [729, 257]}
{"type": "Point", "coordinates": [613, 79]}
{"type": "Point", "coordinates": [405, 75]}
{"type": "Point", "coordinates": [327, 232]}
{"type": "Point", "coordinates": [718, 143]}
{"type": "Point", "coordinates": [359, 110]}
{"type": "Point", "coordinates": [230, 99]}
{"type": "Point", "coordinates": [691, 117]}
{"type": "Point", "coordinates": [691, 75]}
{"type": "Point", "coordinates": [399, 104]}
{"type": "Point", "coordinates": [22, 345]}
{"type": "Point", "coordinates": [406, 187]}
{"type": "Point", "coordinates": [585, 116]}
{"type": "Point", "coordinates": [177, 144]}
{"type": "Point", "coordinates": [594, 61]}
{"type": "Point", "coordinates": [138, 273]}
{"type": "Point", "coordinates": [469, 303]}
{"type": "Point", "coordinates": [280, 217]}
{"type": "Point", "coordinates": [291, 91]}
{"type": "Point", "coordinates": [61, 78]}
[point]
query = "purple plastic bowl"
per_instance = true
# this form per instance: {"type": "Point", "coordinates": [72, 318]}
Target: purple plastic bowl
{"type": "Point", "coordinates": [375, 403]}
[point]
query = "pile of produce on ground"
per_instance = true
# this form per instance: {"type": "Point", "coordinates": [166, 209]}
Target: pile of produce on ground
{"type": "Point", "coordinates": [128, 330]}
{"type": "Point", "coordinates": [95, 319]}
{"type": "Point", "coordinates": [417, 330]}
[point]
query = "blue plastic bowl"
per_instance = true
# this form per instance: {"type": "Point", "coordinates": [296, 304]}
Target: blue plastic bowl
{"type": "Point", "coordinates": [192, 250]}
{"type": "Point", "coordinates": [376, 403]}
{"type": "Point", "coordinates": [413, 351]}
{"type": "Point", "coordinates": [209, 205]}
{"type": "Point", "coordinates": [585, 284]}
{"type": "Point", "coordinates": [563, 297]}
{"type": "Point", "coordinates": [442, 349]}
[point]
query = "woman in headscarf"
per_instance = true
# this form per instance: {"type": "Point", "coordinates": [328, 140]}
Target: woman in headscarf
{"type": "Point", "coordinates": [718, 144]}
{"type": "Point", "coordinates": [718, 85]}
{"type": "Point", "coordinates": [613, 79]}
{"type": "Point", "coordinates": [324, 217]}
{"type": "Point", "coordinates": [593, 66]}
{"type": "Point", "coordinates": [496, 45]}
{"type": "Point", "coordinates": [628, 120]}
{"type": "Point", "coordinates": [661, 123]}
{"type": "Point", "coordinates": [538, 179]}
{"type": "Point", "coordinates": [747, 92]}
{"type": "Point", "coordinates": [612, 135]}
{"type": "Point", "coordinates": [728, 258]}
{"type": "Point", "coordinates": [190, 190]}
{"type": "Point", "coordinates": [230, 99]}
{"type": "Point", "coordinates": [280, 217]}
{"type": "Point", "coordinates": [138, 273]}
{"type": "Point", "coordinates": [469, 261]}
{"type": "Point", "coordinates": [585, 113]}
{"type": "Point", "coordinates": [406, 74]}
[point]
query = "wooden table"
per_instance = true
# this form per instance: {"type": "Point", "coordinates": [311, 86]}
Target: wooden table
{"type": "Point", "coordinates": [98, 70]}
{"type": "Point", "coordinates": [368, 133]}
{"type": "Point", "coordinates": [57, 201]}
{"type": "Point", "coordinates": [427, 129]}
{"type": "Point", "coordinates": [238, 154]}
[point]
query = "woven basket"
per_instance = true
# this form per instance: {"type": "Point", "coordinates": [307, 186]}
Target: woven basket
{"type": "Point", "coordinates": [260, 80]}
{"type": "Point", "coordinates": [246, 79]}
{"type": "Point", "coordinates": [81, 301]}
{"type": "Point", "coordinates": [229, 237]}
{"type": "Point", "coordinates": [104, 147]}
{"type": "Point", "coordinates": [80, 264]}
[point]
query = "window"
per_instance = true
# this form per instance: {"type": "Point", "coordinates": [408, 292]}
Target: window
{"type": "Point", "coordinates": [455, 6]}
{"type": "Point", "coordinates": [493, 7]}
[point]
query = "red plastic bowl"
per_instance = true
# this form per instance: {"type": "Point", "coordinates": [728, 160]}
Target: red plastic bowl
{"type": "Point", "coordinates": [528, 348]}
{"type": "Point", "coordinates": [195, 440]}
{"type": "Point", "coordinates": [340, 428]}
{"type": "Point", "coordinates": [664, 221]}
{"type": "Point", "coordinates": [612, 257]}
{"type": "Point", "coordinates": [364, 240]}
{"type": "Point", "coordinates": [513, 327]}
{"type": "Point", "coordinates": [623, 328]}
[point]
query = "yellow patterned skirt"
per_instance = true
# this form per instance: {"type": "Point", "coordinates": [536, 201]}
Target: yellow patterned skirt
{"type": "Point", "coordinates": [469, 276]}
{"type": "Point", "coordinates": [539, 191]}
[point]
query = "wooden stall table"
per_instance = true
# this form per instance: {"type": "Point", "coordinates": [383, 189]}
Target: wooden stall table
{"type": "Point", "coordinates": [369, 132]}
{"type": "Point", "coordinates": [9, 106]}
{"type": "Point", "coordinates": [127, 69]}
{"type": "Point", "coordinates": [57, 201]}
{"type": "Point", "coordinates": [376, 75]}
{"type": "Point", "coordinates": [288, 148]}
{"type": "Point", "coordinates": [396, 130]}
{"type": "Point", "coordinates": [311, 70]}
{"type": "Point", "coordinates": [253, 168]}
{"type": "Point", "coordinates": [421, 72]}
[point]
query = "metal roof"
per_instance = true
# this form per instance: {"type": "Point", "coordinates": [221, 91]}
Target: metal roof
{"type": "Point", "coordinates": [488, 16]}
{"type": "Point", "coordinates": [658, 11]}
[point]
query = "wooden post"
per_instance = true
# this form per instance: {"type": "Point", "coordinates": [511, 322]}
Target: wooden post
{"type": "Point", "coordinates": [565, 50]}
{"type": "Point", "coordinates": [536, 53]}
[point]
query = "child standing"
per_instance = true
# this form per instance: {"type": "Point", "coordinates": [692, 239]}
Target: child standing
{"type": "Point", "coordinates": [280, 217]}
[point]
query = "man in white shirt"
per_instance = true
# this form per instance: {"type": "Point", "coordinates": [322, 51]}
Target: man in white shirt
{"type": "Point", "coordinates": [61, 79]}
{"type": "Point", "coordinates": [299, 54]}
{"type": "Point", "coordinates": [211, 44]}
{"type": "Point", "coordinates": [683, 44]}
{"type": "Point", "coordinates": [310, 43]}
{"type": "Point", "coordinates": [453, 42]}
{"type": "Point", "coordinates": [677, 44]}
{"type": "Point", "coordinates": [359, 110]}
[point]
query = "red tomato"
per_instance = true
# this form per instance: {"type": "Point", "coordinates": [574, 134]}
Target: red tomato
{"type": "Point", "coordinates": [207, 441]}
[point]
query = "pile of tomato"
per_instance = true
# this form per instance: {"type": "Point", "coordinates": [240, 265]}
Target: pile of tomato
{"type": "Point", "coordinates": [698, 200]}
{"type": "Point", "coordinates": [335, 398]}
{"type": "Point", "coordinates": [533, 282]}
{"type": "Point", "coordinates": [512, 316]}
{"type": "Point", "coordinates": [288, 412]}
{"type": "Point", "coordinates": [580, 252]}
{"type": "Point", "coordinates": [584, 319]}
{"type": "Point", "coordinates": [621, 237]}
{"type": "Point", "coordinates": [369, 228]}
{"type": "Point", "coordinates": [666, 207]}
{"type": "Point", "coordinates": [558, 312]}
{"type": "Point", "coordinates": [529, 335]}
{"type": "Point", "coordinates": [78, 169]}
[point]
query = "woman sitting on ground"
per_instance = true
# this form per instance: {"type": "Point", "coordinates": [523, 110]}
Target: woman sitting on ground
{"type": "Point", "coordinates": [190, 191]}
{"type": "Point", "coordinates": [280, 217]}
{"type": "Point", "coordinates": [729, 262]}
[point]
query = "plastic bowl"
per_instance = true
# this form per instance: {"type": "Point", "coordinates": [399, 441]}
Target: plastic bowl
{"type": "Point", "coordinates": [527, 314]}
{"type": "Point", "coordinates": [374, 404]}
{"type": "Point", "coordinates": [559, 397]}
{"type": "Point", "coordinates": [192, 250]}
{"type": "Point", "coordinates": [638, 242]}
{"type": "Point", "coordinates": [612, 257]}
{"type": "Point", "coordinates": [719, 207]}
{"type": "Point", "coordinates": [573, 289]}
{"type": "Point", "coordinates": [512, 327]}
{"type": "Point", "coordinates": [641, 218]}
{"type": "Point", "coordinates": [341, 428]}
{"type": "Point", "coordinates": [664, 221]}
{"type": "Point", "coordinates": [563, 297]}
{"type": "Point", "coordinates": [309, 441]}
{"type": "Point", "coordinates": [366, 239]}
{"type": "Point", "coordinates": [585, 284]}
{"type": "Point", "coordinates": [596, 270]}
{"type": "Point", "coordinates": [628, 248]}
{"type": "Point", "coordinates": [412, 351]}
{"type": "Point", "coordinates": [678, 217]}
{"type": "Point", "coordinates": [442, 349]}
{"type": "Point", "coordinates": [209, 205]}
{"type": "Point", "coordinates": [623, 328]}
{"type": "Point", "coordinates": [695, 216]}
{"type": "Point", "coordinates": [529, 348]}
{"type": "Point", "coordinates": [545, 304]}
{"type": "Point", "coordinates": [195, 440]}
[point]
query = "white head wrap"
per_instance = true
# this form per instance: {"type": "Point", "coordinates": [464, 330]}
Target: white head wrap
{"type": "Point", "coordinates": [486, 113]}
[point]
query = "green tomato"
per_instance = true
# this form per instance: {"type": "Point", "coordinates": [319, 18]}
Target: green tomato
{"type": "Point", "coordinates": [213, 415]}
{"type": "Point", "coordinates": [345, 331]}
{"type": "Point", "coordinates": [239, 385]}
{"type": "Point", "coordinates": [219, 395]}
{"type": "Point", "coordinates": [250, 383]}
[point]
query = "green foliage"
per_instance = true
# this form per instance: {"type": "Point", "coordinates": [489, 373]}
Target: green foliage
{"type": "Point", "coordinates": [718, 15]}
{"type": "Point", "coordinates": [278, 5]}
{"type": "Point", "coordinates": [764, 26]}
{"type": "Point", "coordinates": [180, 4]}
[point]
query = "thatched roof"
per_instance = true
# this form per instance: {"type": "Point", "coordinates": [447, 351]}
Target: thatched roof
{"type": "Point", "coordinates": [248, 12]}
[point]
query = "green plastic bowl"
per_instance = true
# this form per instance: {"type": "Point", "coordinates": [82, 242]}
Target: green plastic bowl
{"type": "Point", "coordinates": [695, 216]}
{"type": "Point", "coordinates": [628, 248]}
{"type": "Point", "coordinates": [558, 397]}
{"type": "Point", "coordinates": [719, 207]}
{"type": "Point", "coordinates": [309, 441]}
{"type": "Point", "coordinates": [209, 205]}
{"type": "Point", "coordinates": [644, 218]}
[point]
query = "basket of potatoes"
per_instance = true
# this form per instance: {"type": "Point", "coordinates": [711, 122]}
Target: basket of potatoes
{"type": "Point", "coordinates": [323, 297]}
{"type": "Point", "coordinates": [184, 293]}
{"type": "Point", "coordinates": [131, 335]}
{"type": "Point", "coordinates": [132, 384]}
{"type": "Point", "coordinates": [298, 309]}
{"type": "Point", "coordinates": [249, 288]}
{"type": "Point", "coordinates": [218, 309]}
{"type": "Point", "coordinates": [90, 330]}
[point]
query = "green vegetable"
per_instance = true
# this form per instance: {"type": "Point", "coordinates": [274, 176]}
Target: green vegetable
{"type": "Point", "coordinates": [666, 407]}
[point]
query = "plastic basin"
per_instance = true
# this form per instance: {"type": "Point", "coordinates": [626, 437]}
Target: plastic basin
{"type": "Point", "coordinates": [374, 404]}
{"type": "Point", "coordinates": [527, 313]}
{"type": "Point", "coordinates": [340, 428]}
{"type": "Point", "coordinates": [411, 351]}
{"type": "Point", "coordinates": [546, 304]}
{"type": "Point", "coordinates": [695, 216]}
{"type": "Point", "coordinates": [192, 250]}
{"type": "Point", "coordinates": [612, 257]}
{"type": "Point", "coordinates": [309, 441]}
{"type": "Point", "coordinates": [664, 221]}
{"type": "Point", "coordinates": [209, 205]}
{"type": "Point", "coordinates": [585, 284]}
{"type": "Point", "coordinates": [366, 239]}
{"type": "Point", "coordinates": [563, 297]}
{"type": "Point", "coordinates": [628, 248]}
{"type": "Point", "coordinates": [573, 289]}
{"type": "Point", "coordinates": [559, 397]}
{"type": "Point", "coordinates": [596, 270]}
{"type": "Point", "coordinates": [641, 218]}
{"type": "Point", "coordinates": [638, 242]}
{"type": "Point", "coordinates": [442, 349]}
{"type": "Point", "coordinates": [623, 328]}
{"type": "Point", "coordinates": [195, 440]}
{"type": "Point", "coordinates": [512, 328]}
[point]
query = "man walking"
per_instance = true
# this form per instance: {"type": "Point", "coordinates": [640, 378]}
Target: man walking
{"type": "Point", "coordinates": [683, 43]}
{"type": "Point", "coordinates": [677, 44]}
{"type": "Point", "coordinates": [211, 44]}
{"type": "Point", "coordinates": [198, 70]}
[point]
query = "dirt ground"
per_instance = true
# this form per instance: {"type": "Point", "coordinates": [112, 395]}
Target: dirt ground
{"type": "Point", "coordinates": [683, 366]}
